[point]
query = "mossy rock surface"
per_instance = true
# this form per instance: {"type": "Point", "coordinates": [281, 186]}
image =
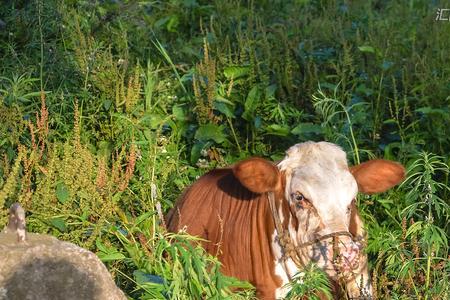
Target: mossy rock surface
{"type": "Point", "coordinates": [45, 268]}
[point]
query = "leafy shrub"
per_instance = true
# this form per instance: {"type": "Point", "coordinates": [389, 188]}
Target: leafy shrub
{"type": "Point", "coordinates": [171, 89]}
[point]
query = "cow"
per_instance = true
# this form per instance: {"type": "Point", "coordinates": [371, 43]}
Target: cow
{"type": "Point", "coordinates": [266, 221]}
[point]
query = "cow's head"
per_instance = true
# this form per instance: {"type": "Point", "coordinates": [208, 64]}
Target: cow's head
{"type": "Point", "coordinates": [320, 189]}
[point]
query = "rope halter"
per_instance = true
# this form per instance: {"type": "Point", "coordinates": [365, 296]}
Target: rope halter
{"type": "Point", "coordinates": [295, 252]}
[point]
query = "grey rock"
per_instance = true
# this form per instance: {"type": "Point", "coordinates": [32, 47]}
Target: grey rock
{"type": "Point", "coordinates": [42, 267]}
{"type": "Point", "coordinates": [16, 222]}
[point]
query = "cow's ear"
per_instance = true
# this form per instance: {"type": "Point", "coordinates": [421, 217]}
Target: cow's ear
{"type": "Point", "coordinates": [378, 175]}
{"type": "Point", "coordinates": [258, 175]}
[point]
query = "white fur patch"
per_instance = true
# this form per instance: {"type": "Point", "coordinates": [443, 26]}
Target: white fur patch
{"type": "Point", "coordinates": [320, 172]}
{"type": "Point", "coordinates": [283, 269]}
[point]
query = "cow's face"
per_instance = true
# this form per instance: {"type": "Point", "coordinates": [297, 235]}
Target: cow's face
{"type": "Point", "coordinates": [319, 189]}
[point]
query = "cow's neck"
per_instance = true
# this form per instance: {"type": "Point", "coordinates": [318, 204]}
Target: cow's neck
{"type": "Point", "coordinates": [285, 268]}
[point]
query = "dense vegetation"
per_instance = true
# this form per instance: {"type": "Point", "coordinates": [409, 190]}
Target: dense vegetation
{"type": "Point", "coordinates": [109, 109]}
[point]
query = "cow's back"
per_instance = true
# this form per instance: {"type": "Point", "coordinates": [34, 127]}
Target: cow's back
{"type": "Point", "coordinates": [237, 224]}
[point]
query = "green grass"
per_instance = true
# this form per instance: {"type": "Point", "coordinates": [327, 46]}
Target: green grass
{"type": "Point", "coordinates": [142, 97]}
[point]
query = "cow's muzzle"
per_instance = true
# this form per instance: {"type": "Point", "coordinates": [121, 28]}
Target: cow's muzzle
{"type": "Point", "coordinates": [346, 255]}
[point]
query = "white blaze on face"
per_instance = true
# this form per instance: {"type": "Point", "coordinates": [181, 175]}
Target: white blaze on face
{"type": "Point", "coordinates": [319, 171]}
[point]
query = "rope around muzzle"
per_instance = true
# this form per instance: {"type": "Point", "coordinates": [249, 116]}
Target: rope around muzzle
{"type": "Point", "coordinates": [295, 252]}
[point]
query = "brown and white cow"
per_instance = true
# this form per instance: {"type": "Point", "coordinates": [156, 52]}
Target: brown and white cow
{"type": "Point", "coordinates": [313, 195]}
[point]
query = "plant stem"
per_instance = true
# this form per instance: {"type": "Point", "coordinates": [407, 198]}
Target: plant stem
{"type": "Point", "coordinates": [377, 106]}
{"type": "Point", "coordinates": [164, 53]}
{"type": "Point", "coordinates": [41, 67]}
{"type": "Point", "coordinates": [427, 281]}
{"type": "Point", "coordinates": [414, 285]}
{"type": "Point", "coordinates": [355, 145]}
{"type": "Point", "coordinates": [234, 134]}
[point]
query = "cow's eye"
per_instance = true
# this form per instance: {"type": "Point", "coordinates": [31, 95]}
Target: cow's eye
{"type": "Point", "coordinates": [349, 208]}
{"type": "Point", "coordinates": [300, 201]}
{"type": "Point", "coordinates": [299, 196]}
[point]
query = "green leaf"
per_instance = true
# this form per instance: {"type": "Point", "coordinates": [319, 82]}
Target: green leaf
{"type": "Point", "coordinates": [368, 49]}
{"type": "Point", "coordinates": [363, 89]}
{"type": "Point", "coordinates": [85, 214]}
{"type": "Point", "coordinates": [104, 257]}
{"type": "Point", "coordinates": [152, 120]}
{"type": "Point", "coordinates": [389, 121]}
{"type": "Point", "coordinates": [210, 132]}
{"type": "Point", "coordinates": [224, 108]}
{"type": "Point", "coordinates": [328, 85]}
{"type": "Point", "coordinates": [257, 122]}
{"type": "Point", "coordinates": [196, 150]}
{"type": "Point", "coordinates": [224, 100]}
{"type": "Point", "coordinates": [386, 64]}
{"type": "Point", "coordinates": [429, 110]}
{"type": "Point", "coordinates": [307, 128]}
{"type": "Point", "coordinates": [144, 217]}
{"type": "Point", "coordinates": [59, 224]}
{"type": "Point", "coordinates": [161, 22]}
{"type": "Point", "coordinates": [253, 97]}
{"type": "Point", "coordinates": [104, 148]}
{"type": "Point", "coordinates": [142, 277]}
{"type": "Point", "coordinates": [270, 90]}
{"type": "Point", "coordinates": [33, 94]}
{"type": "Point", "coordinates": [277, 156]}
{"type": "Point", "coordinates": [62, 192]}
{"type": "Point", "coordinates": [100, 246]}
{"type": "Point", "coordinates": [173, 23]}
{"type": "Point", "coordinates": [179, 113]}
{"type": "Point", "coordinates": [107, 104]}
{"type": "Point", "coordinates": [156, 121]}
{"type": "Point", "coordinates": [280, 130]}
{"type": "Point", "coordinates": [236, 71]}
{"type": "Point", "coordinates": [84, 194]}
{"type": "Point", "coordinates": [417, 226]}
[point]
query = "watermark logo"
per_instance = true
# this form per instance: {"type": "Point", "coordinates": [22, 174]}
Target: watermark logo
{"type": "Point", "coordinates": [443, 14]}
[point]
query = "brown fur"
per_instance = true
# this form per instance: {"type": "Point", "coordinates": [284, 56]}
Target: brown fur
{"type": "Point", "coordinates": [378, 175]}
{"type": "Point", "coordinates": [238, 224]}
{"type": "Point", "coordinates": [356, 225]}
{"type": "Point", "coordinates": [257, 174]}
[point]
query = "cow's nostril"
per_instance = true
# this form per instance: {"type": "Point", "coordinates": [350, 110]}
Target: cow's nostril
{"type": "Point", "coordinates": [349, 257]}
